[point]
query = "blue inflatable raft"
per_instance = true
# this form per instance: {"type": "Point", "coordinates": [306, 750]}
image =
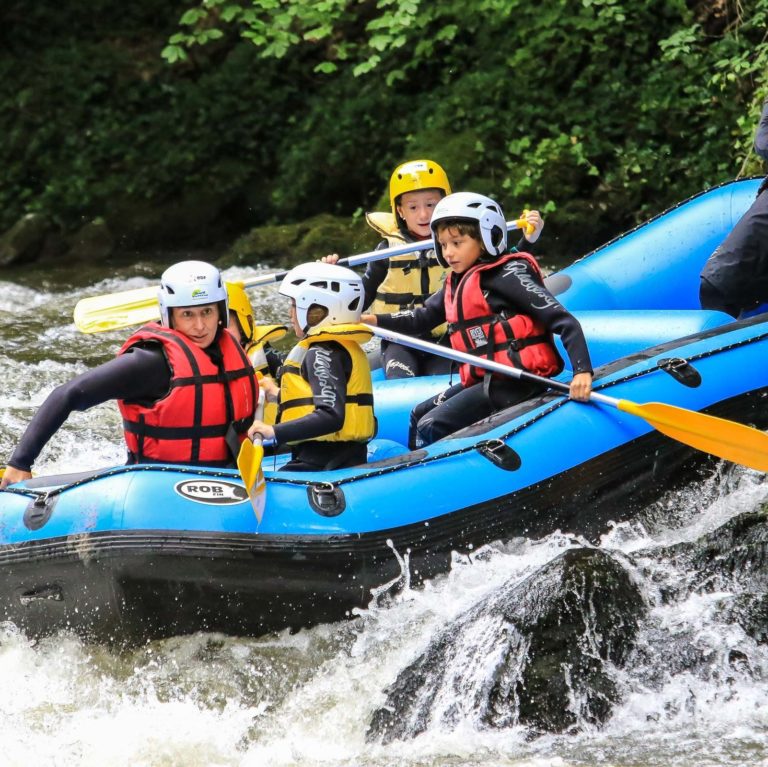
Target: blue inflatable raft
{"type": "Point", "coordinates": [132, 553]}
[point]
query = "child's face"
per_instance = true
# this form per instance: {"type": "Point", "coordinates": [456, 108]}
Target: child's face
{"type": "Point", "coordinates": [416, 208]}
{"type": "Point", "coordinates": [459, 250]}
{"type": "Point", "coordinates": [297, 329]}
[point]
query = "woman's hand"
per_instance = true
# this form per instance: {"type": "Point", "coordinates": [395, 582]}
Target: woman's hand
{"type": "Point", "coordinates": [368, 319]}
{"type": "Point", "coordinates": [331, 258]}
{"type": "Point", "coordinates": [12, 476]}
{"type": "Point", "coordinates": [581, 386]}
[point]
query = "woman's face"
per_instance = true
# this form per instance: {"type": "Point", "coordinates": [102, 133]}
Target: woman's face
{"type": "Point", "coordinates": [198, 323]}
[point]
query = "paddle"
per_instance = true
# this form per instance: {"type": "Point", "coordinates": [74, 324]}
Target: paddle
{"type": "Point", "coordinates": [732, 441]}
{"type": "Point", "coordinates": [249, 462]}
{"type": "Point", "coordinates": [113, 311]}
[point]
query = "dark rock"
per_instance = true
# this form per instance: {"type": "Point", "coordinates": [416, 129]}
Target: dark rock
{"type": "Point", "coordinates": [290, 244]}
{"type": "Point", "coordinates": [733, 557]}
{"type": "Point", "coordinates": [750, 611]}
{"type": "Point", "coordinates": [731, 561]}
{"type": "Point", "coordinates": [194, 219]}
{"type": "Point", "coordinates": [92, 242]}
{"type": "Point", "coordinates": [23, 242]}
{"type": "Point", "coordinates": [538, 653]}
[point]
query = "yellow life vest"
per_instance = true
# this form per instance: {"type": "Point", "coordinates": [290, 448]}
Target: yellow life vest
{"type": "Point", "coordinates": [296, 399]}
{"type": "Point", "coordinates": [263, 334]}
{"type": "Point", "coordinates": [408, 283]}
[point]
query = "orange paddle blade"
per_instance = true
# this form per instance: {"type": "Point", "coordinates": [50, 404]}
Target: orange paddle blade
{"type": "Point", "coordinates": [249, 463]}
{"type": "Point", "coordinates": [730, 440]}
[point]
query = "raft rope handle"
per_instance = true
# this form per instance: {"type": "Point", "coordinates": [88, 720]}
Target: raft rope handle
{"type": "Point", "coordinates": [41, 496]}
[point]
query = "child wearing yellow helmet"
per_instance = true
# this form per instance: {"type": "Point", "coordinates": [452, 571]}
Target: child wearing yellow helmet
{"type": "Point", "coordinates": [255, 341]}
{"type": "Point", "coordinates": [403, 283]}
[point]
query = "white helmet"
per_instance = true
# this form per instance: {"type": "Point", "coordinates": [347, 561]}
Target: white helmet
{"type": "Point", "coordinates": [191, 283]}
{"type": "Point", "coordinates": [476, 208]}
{"type": "Point", "coordinates": [337, 289]}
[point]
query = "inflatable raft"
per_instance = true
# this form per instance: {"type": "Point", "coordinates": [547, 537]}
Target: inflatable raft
{"type": "Point", "coordinates": [131, 553]}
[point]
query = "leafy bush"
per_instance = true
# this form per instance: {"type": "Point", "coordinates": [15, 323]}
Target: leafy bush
{"type": "Point", "coordinates": [598, 112]}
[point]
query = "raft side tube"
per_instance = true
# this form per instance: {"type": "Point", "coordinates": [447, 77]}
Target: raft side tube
{"type": "Point", "coordinates": [657, 265]}
{"type": "Point", "coordinates": [610, 335]}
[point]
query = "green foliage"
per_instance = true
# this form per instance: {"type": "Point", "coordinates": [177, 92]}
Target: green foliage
{"type": "Point", "coordinates": [246, 112]}
{"type": "Point", "coordinates": [287, 245]}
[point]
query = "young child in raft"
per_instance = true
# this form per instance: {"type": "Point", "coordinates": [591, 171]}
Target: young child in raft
{"type": "Point", "coordinates": [496, 307]}
{"type": "Point", "coordinates": [325, 397]}
{"type": "Point", "coordinates": [405, 282]}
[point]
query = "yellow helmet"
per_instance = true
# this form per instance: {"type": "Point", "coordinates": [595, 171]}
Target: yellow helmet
{"type": "Point", "coordinates": [240, 304]}
{"type": "Point", "coordinates": [414, 175]}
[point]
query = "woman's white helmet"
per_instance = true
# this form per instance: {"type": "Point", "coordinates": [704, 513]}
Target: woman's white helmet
{"type": "Point", "coordinates": [335, 288]}
{"type": "Point", "coordinates": [192, 283]}
{"type": "Point", "coordinates": [476, 208]}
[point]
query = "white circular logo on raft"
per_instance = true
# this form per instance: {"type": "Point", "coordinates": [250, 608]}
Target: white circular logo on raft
{"type": "Point", "coordinates": [211, 491]}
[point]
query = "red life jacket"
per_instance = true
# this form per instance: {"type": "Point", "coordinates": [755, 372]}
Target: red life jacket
{"type": "Point", "coordinates": [518, 341]}
{"type": "Point", "coordinates": [207, 411]}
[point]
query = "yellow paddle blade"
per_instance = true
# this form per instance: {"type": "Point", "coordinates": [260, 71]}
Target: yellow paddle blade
{"type": "Point", "coordinates": [249, 463]}
{"type": "Point", "coordinates": [732, 441]}
{"type": "Point", "coordinates": [117, 310]}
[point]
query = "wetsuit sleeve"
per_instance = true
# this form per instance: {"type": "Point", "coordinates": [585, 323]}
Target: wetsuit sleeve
{"type": "Point", "coordinates": [139, 374]}
{"type": "Point", "coordinates": [327, 367]}
{"type": "Point", "coordinates": [517, 288]}
{"type": "Point", "coordinates": [419, 320]}
{"type": "Point", "coordinates": [761, 137]}
{"type": "Point", "coordinates": [526, 247]}
{"type": "Point", "coordinates": [375, 273]}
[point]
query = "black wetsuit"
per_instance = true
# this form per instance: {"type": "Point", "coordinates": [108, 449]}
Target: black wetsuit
{"type": "Point", "coordinates": [735, 278]}
{"type": "Point", "coordinates": [401, 361]}
{"type": "Point", "coordinates": [141, 374]}
{"type": "Point", "coordinates": [310, 454]}
{"type": "Point", "coordinates": [507, 291]}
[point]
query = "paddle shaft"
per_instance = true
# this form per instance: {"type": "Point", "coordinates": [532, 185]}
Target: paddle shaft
{"type": "Point", "coordinates": [367, 258]}
{"type": "Point", "coordinates": [481, 362]}
{"type": "Point", "coordinates": [96, 314]}
{"type": "Point", "coordinates": [720, 437]}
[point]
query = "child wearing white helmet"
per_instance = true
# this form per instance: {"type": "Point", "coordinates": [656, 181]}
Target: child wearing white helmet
{"type": "Point", "coordinates": [184, 386]}
{"type": "Point", "coordinates": [405, 282]}
{"type": "Point", "coordinates": [497, 307]}
{"type": "Point", "coordinates": [325, 400]}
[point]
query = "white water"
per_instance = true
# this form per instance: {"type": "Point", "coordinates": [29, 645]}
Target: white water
{"type": "Point", "coordinates": [306, 699]}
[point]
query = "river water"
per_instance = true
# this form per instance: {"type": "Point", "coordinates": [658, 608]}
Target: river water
{"type": "Point", "coordinates": [307, 698]}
